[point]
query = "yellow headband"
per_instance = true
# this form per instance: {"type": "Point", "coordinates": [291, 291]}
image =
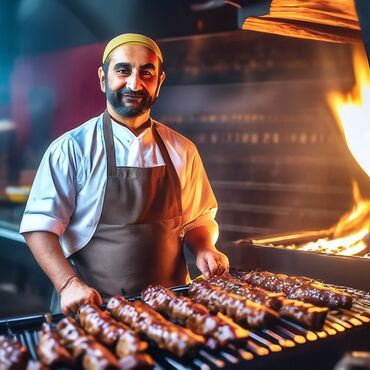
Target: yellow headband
{"type": "Point", "coordinates": [132, 38]}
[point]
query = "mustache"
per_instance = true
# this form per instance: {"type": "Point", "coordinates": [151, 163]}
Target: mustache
{"type": "Point", "coordinates": [140, 94]}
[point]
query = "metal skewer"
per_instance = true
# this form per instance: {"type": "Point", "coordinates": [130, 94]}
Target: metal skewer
{"type": "Point", "coordinates": [300, 339]}
{"type": "Point", "coordinates": [310, 335]}
{"type": "Point", "coordinates": [287, 343]}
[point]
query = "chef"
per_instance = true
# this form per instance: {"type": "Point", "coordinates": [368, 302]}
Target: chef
{"type": "Point", "coordinates": [115, 198]}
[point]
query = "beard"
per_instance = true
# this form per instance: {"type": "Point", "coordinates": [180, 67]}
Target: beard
{"type": "Point", "coordinates": [136, 107]}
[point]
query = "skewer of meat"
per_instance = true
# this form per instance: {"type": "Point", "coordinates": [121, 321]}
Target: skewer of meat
{"type": "Point", "coordinates": [256, 295]}
{"type": "Point", "coordinates": [310, 316]}
{"type": "Point", "coordinates": [113, 334]}
{"type": "Point", "coordinates": [50, 349]}
{"type": "Point", "coordinates": [300, 288]}
{"type": "Point", "coordinates": [93, 354]}
{"type": "Point", "coordinates": [194, 316]}
{"type": "Point", "coordinates": [13, 356]}
{"type": "Point", "coordinates": [142, 318]}
{"type": "Point", "coordinates": [239, 308]}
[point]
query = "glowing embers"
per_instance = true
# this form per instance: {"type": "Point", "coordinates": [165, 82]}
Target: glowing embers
{"type": "Point", "coordinates": [350, 235]}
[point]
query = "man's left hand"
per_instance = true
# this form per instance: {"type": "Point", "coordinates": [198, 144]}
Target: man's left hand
{"type": "Point", "coordinates": [212, 262]}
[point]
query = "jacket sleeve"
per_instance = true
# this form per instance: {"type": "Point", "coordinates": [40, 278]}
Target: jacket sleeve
{"type": "Point", "coordinates": [198, 201]}
{"type": "Point", "coordinates": [52, 197]}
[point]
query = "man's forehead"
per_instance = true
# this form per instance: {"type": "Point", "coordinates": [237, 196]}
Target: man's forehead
{"type": "Point", "coordinates": [133, 54]}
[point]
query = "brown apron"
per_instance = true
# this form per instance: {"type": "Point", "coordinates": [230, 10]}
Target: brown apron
{"type": "Point", "coordinates": [137, 240]}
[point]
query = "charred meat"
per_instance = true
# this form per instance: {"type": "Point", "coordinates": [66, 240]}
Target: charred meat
{"type": "Point", "coordinates": [142, 318]}
{"type": "Point", "coordinates": [13, 356]}
{"type": "Point", "coordinates": [300, 288]}
{"type": "Point", "coordinates": [193, 315]}
{"type": "Point", "coordinates": [237, 307]}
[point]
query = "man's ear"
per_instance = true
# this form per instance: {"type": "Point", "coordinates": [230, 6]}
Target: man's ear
{"type": "Point", "coordinates": [162, 77]}
{"type": "Point", "coordinates": [101, 75]}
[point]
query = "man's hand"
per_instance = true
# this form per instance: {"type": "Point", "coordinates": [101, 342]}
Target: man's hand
{"type": "Point", "coordinates": [75, 294]}
{"type": "Point", "coordinates": [208, 259]}
{"type": "Point", "coordinates": [212, 262]}
{"type": "Point", "coordinates": [46, 248]}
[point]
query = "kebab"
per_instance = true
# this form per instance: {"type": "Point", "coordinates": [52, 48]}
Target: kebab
{"type": "Point", "coordinates": [112, 333]}
{"type": "Point", "coordinates": [257, 295]}
{"type": "Point", "coordinates": [50, 349]}
{"type": "Point", "coordinates": [237, 307]}
{"type": "Point", "coordinates": [13, 356]}
{"type": "Point", "coordinates": [194, 316]}
{"type": "Point", "coordinates": [94, 355]}
{"type": "Point", "coordinates": [142, 318]}
{"type": "Point", "coordinates": [307, 314]}
{"type": "Point", "coordinates": [84, 348]}
{"type": "Point", "coordinates": [300, 288]}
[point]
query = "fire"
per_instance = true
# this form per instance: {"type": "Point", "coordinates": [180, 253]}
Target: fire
{"type": "Point", "coordinates": [353, 116]}
{"type": "Point", "coordinates": [353, 111]}
{"type": "Point", "coordinates": [351, 235]}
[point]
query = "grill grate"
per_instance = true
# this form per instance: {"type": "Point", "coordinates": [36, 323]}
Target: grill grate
{"type": "Point", "coordinates": [264, 347]}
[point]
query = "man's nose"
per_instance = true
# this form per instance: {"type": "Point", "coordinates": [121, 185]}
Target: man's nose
{"type": "Point", "coordinates": [133, 81]}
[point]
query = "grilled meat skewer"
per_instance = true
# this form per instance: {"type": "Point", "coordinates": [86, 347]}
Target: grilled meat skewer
{"type": "Point", "coordinates": [310, 316]}
{"type": "Point", "coordinates": [194, 316]}
{"type": "Point", "coordinates": [110, 332]}
{"type": "Point", "coordinates": [142, 318]}
{"type": "Point", "coordinates": [13, 356]}
{"type": "Point", "coordinates": [239, 308]}
{"type": "Point", "coordinates": [256, 295]}
{"type": "Point", "coordinates": [300, 288]}
{"type": "Point", "coordinates": [94, 355]}
{"type": "Point", "coordinates": [50, 349]}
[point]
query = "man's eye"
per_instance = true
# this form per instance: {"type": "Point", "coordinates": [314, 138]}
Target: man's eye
{"type": "Point", "coordinates": [123, 71]}
{"type": "Point", "coordinates": [147, 73]}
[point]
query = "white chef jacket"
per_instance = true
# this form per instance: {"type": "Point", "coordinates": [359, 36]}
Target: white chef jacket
{"type": "Point", "coordinates": [68, 191]}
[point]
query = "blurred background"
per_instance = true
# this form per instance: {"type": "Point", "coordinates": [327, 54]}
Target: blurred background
{"type": "Point", "coordinates": [255, 104]}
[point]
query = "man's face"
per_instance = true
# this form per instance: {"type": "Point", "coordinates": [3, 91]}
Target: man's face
{"type": "Point", "coordinates": [132, 83]}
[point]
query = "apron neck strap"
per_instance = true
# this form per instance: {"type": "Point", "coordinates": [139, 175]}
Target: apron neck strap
{"type": "Point", "coordinates": [109, 144]}
{"type": "Point", "coordinates": [170, 168]}
{"type": "Point", "coordinates": [162, 148]}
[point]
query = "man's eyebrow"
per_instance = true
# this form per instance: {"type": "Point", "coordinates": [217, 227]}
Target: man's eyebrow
{"type": "Point", "coordinates": [128, 66]}
{"type": "Point", "coordinates": [148, 66]}
{"type": "Point", "coordinates": [122, 65]}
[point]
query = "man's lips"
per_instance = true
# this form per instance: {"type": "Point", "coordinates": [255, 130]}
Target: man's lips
{"type": "Point", "coordinates": [133, 96]}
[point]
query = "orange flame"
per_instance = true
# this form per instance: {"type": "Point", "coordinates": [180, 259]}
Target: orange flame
{"type": "Point", "coordinates": [353, 117]}
{"type": "Point", "coordinates": [349, 233]}
{"type": "Point", "coordinates": [353, 111]}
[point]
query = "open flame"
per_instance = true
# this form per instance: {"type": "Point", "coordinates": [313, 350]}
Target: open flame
{"type": "Point", "coordinates": [351, 235]}
{"type": "Point", "coordinates": [353, 111]}
{"type": "Point", "coordinates": [353, 117]}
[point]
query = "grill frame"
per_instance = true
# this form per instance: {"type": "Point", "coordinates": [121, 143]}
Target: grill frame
{"type": "Point", "coordinates": [327, 351]}
{"type": "Point", "coordinates": [344, 271]}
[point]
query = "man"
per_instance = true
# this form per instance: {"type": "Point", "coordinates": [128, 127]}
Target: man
{"type": "Point", "coordinates": [114, 198]}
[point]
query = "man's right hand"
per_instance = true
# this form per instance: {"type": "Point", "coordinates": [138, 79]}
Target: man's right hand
{"type": "Point", "coordinates": [75, 294]}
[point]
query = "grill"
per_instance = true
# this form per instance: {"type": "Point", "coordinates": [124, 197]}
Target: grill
{"type": "Point", "coordinates": [282, 346]}
{"type": "Point", "coordinates": [339, 270]}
